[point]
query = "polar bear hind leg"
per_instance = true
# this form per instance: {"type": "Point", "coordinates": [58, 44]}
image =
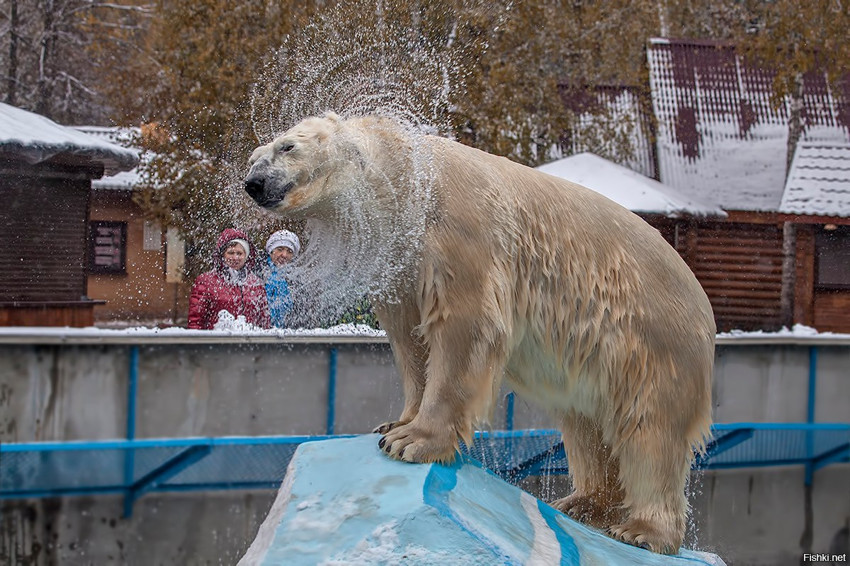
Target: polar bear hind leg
{"type": "Point", "coordinates": [594, 473]}
{"type": "Point", "coordinates": [653, 474]}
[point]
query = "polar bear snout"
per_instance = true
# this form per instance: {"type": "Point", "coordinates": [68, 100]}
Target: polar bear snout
{"type": "Point", "coordinates": [255, 186]}
{"type": "Point", "coordinates": [265, 190]}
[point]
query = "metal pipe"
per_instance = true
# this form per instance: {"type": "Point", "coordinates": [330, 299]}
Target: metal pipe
{"type": "Point", "coordinates": [129, 455]}
{"type": "Point", "coordinates": [329, 428]}
{"type": "Point", "coordinates": [810, 410]}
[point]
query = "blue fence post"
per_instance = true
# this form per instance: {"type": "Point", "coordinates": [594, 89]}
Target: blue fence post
{"type": "Point", "coordinates": [509, 411]}
{"type": "Point", "coordinates": [329, 428]}
{"type": "Point", "coordinates": [129, 455]}
{"type": "Point", "coordinates": [810, 411]}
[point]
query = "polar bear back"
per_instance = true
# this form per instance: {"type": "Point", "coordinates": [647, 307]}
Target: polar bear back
{"type": "Point", "coordinates": [594, 297]}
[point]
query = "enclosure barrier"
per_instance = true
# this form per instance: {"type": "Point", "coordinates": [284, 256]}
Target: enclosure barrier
{"type": "Point", "coordinates": [133, 467]}
{"type": "Point", "coordinates": [136, 467]}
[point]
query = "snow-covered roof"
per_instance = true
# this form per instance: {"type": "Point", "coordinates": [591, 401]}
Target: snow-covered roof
{"type": "Point", "coordinates": [626, 187]}
{"type": "Point", "coordinates": [718, 132]}
{"type": "Point", "coordinates": [125, 137]}
{"type": "Point", "coordinates": [36, 138]}
{"type": "Point", "coordinates": [819, 180]}
{"type": "Point", "coordinates": [610, 120]}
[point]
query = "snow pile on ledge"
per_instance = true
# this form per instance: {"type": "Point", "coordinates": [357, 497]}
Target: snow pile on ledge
{"type": "Point", "coordinates": [343, 502]}
{"type": "Point", "coordinates": [227, 323]}
{"type": "Point", "coordinates": [238, 328]}
{"type": "Point", "coordinates": [796, 331]}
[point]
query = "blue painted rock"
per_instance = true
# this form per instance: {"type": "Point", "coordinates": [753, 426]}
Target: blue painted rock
{"type": "Point", "coordinates": [345, 503]}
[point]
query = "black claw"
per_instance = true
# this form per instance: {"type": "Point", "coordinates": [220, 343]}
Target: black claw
{"type": "Point", "coordinates": [382, 442]}
{"type": "Point", "coordinates": [644, 545]}
{"type": "Point", "coordinates": [401, 454]}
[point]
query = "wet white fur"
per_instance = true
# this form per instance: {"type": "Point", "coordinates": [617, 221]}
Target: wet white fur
{"type": "Point", "coordinates": [578, 303]}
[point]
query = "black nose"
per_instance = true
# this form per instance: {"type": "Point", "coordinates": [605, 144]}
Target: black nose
{"type": "Point", "coordinates": [255, 187]}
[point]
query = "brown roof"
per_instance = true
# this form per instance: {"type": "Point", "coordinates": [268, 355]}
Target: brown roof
{"type": "Point", "coordinates": [718, 131]}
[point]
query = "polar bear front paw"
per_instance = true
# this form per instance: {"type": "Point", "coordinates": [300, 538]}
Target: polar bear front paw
{"type": "Point", "coordinates": [384, 428]}
{"type": "Point", "coordinates": [412, 443]}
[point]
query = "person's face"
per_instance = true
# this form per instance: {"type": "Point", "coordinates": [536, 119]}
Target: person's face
{"type": "Point", "coordinates": [282, 255]}
{"type": "Point", "coordinates": [234, 256]}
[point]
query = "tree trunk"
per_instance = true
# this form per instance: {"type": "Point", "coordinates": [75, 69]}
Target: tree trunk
{"type": "Point", "coordinates": [12, 78]}
{"type": "Point", "coordinates": [42, 105]}
{"type": "Point", "coordinates": [789, 229]}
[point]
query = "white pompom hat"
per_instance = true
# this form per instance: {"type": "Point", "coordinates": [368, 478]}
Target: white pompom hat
{"type": "Point", "coordinates": [284, 238]}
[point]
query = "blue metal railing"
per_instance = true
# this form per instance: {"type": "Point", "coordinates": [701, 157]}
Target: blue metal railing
{"type": "Point", "coordinates": [133, 467]}
{"type": "Point", "coordinates": [53, 469]}
{"type": "Point", "coordinates": [132, 394]}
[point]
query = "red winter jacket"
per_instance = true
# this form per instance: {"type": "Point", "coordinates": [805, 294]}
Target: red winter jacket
{"type": "Point", "coordinates": [214, 291]}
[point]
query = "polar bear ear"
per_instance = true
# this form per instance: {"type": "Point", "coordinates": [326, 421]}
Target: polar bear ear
{"type": "Point", "coordinates": [332, 116]}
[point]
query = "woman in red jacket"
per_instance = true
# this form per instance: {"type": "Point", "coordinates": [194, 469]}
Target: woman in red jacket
{"type": "Point", "coordinates": [231, 285]}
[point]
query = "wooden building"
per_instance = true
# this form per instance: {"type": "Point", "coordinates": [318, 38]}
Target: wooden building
{"type": "Point", "coordinates": [817, 201]}
{"type": "Point", "coordinates": [719, 137]}
{"type": "Point", "coordinates": [139, 282]}
{"type": "Point", "coordinates": [46, 172]}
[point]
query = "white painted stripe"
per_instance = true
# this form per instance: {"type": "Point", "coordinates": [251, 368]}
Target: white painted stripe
{"type": "Point", "coordinates": [546, 550]}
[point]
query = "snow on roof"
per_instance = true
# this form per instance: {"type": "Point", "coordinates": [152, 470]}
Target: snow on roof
{"type": "Point", "coordinates": [36, 138]}
{"type": "Point", "coordinates": [819, 180]}
{"type": "Point", "coordinates": [604, 110]}
{"type": "Point", "coordinates": [718, 132]}
{"type": "Point", "coordinates": [125, 137]}
{"type": "Point", "coordinates": [626, 187]}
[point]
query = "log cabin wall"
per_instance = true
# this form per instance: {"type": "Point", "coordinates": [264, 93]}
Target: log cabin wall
{"type": "Point", "coordinates": [43, 268]}
{"type": "Point", "coordinates": [804, 284]}
{"type": "Point", "coordinates": [832, 311]}
{"type": "Point", "coordinates": [740, 267]}
{"type": "Point", "coordinates": [830, 295]}
{"type": "Point", "coordinates": [739, 264]}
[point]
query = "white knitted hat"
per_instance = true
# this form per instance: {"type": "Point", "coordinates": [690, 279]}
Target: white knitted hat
{"type": "Point", "coordinates": [241, 242]}
{"type": "Point", "coordinates": [283, 238]}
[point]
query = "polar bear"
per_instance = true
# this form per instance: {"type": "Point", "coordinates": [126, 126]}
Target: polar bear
{"type": "Point", "coordinates": [577, 302]}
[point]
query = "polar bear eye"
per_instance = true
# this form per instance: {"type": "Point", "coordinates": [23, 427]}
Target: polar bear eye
{"type": "Point", "coordinates": [287, 147]}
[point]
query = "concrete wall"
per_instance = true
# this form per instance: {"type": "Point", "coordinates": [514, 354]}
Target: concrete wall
{"type": "Point", "coordinates": [72, 390]}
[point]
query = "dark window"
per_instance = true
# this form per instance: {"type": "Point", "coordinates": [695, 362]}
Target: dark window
{"type": "Point", "coordinates": [832, 250]}
{"type": "Point", "coordinates": [107, 247]}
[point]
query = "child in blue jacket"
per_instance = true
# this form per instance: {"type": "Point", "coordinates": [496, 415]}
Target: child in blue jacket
{"type": "Point", "coordinates": [282, 247]}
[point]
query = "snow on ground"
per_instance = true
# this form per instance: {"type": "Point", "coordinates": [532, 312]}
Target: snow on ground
{"type": "Point", "coordinates": [231, 327]}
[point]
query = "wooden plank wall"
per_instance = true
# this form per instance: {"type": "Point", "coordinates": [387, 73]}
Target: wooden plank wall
{"type": "Point", "coordinates": [740, 267]}
{"type": "Point", "coordinates": [70, 315]}
{"type": "Point", "coordinates": [832, 311]}
{"type": "Point", "coordinates": [45, 245]}
{"type": "Point", "coordinates": [43, 266]}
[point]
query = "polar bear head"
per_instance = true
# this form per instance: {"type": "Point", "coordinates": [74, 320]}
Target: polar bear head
{"type": "Point", "coordinates": [362, 184]}
{"type": "Point", "coordinates": [303, 167]}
